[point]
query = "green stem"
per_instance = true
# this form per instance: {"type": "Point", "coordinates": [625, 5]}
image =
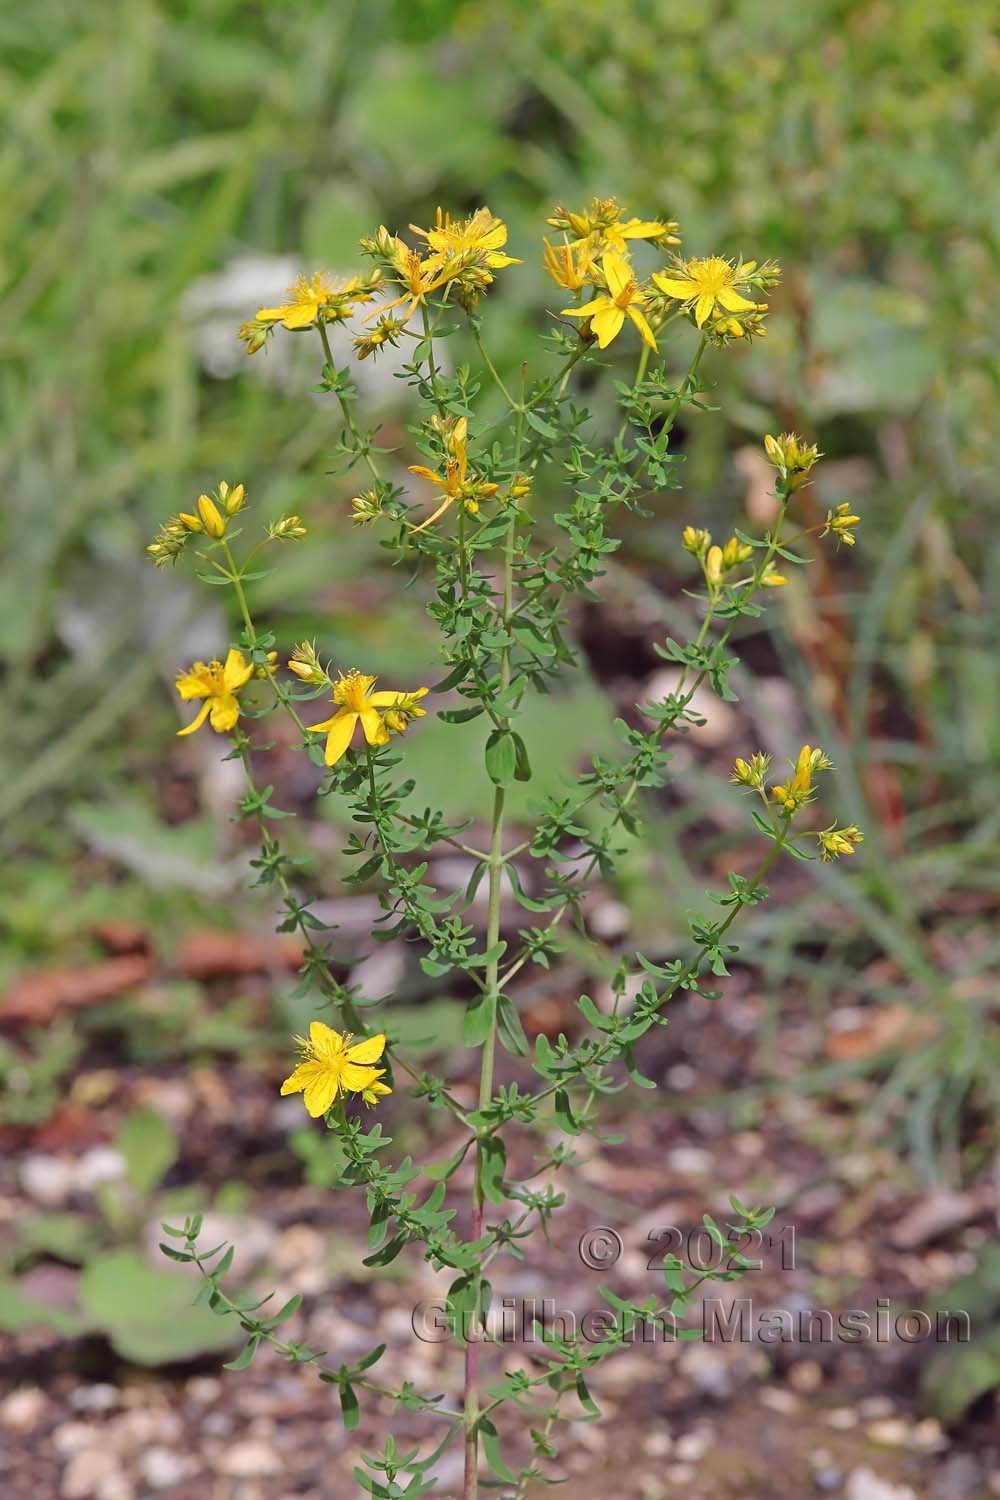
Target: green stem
{"type": "Point", "coordinates": [360, 442]}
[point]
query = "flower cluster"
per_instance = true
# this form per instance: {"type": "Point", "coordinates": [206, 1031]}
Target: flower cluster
{"type": "Point", "coordinates": [209, 518]}
{"type": "Point", "coordinates": [312, 300]}
{"type": "Point", "coordinates": [711, 289]}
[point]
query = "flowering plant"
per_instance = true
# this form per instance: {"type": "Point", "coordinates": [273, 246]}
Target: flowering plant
{"type": "Point", "coordinates": [500, 570]}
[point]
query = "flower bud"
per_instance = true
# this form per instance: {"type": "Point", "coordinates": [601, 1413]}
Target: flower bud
{"type": "Point", "coordinates": [233, 500]}
{"type": "Point", "coordinates": [211, 517]}
{"type": "Point", "coordinates": [286, 529]}
{"type": "Point", "coordinates": [696, 541]}
{"type": "Point", "coordinates": [190, 522]}
{"type": "Point", "coordinates": [713, 565]}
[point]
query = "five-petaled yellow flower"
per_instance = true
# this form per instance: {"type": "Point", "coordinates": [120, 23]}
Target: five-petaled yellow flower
{"type": "Point", "coordinates": [307, 296]}
{"type": "Point", "coordinates": [456, 481]}
{"type": "Point", "coordinates": [417, 277]}
{"type": "Point", "coordinates": [708, 283]}
{"type": "Point", "coordinates": [569, 264]}
{"type": "Point", "coordinates": [358, 703]}
{"type": "Point", "coordinates": [218, 684]}
{"type": "Point", "coordinates": [332, 1063]}
{"type": "Point", "coordinates": [482, 233]}
{"type": "Point", "coordinates": [607, 314]}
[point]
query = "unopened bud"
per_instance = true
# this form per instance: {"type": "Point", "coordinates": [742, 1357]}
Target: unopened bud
{"type": "Point", "coordinates": [211, 517]}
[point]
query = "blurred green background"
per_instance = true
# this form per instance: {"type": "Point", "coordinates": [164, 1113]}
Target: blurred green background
{"type": "Point", "coordinates": [158, 157]}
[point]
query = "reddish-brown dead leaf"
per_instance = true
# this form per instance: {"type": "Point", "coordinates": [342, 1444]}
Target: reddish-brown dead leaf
{"type": "Point", "coordinates": [35, 999]}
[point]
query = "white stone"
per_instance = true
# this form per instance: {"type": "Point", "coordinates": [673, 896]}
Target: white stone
{"type": "Point", "coordinates": [100, 1164]}
{"type": "Point", "coordinates": [863, 1484]}
{"type": "Point", "coordinates": [48, 1180]}
{"type": "Point", "coordinates": [162, 1467]}
{"type": "Point", "coordinates": [248, 1460]}
{"type": "Point", "coordinates": [22, 1409]}
{"type": "Point", "coordinates": [87, 1472]}
{"type": "Point", "coordinates": [98, 1396]}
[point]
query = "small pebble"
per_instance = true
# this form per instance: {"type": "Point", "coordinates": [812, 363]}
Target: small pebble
{"type": "Point", "coordinates": [248, 1460]}
{"type": "Point", "coordinates": [162, 1467]}
{"type": "Point", "coordinates": [928, 1436]}
{"type": "Point", "coordinates": [680, 1475]}
{"type": "Point", "coordinates": [100, 1164]}
{"type": "Point", "coordinates": [71, 1437]}
{"type": "Point", "coordinates": [891, 1432]}
{"type": "Point", "coordinates": [87, 1473]}
{"type": "Point", "coordinates": [874, 1407]}
{"type": "Point", "coordinates": [779, 1400]}
{"type": "Point", "coordinates": [805, 1376]}
{"type": "Point", "coordinates": [657, 1444]}
{"type": "Point", "coordinates": [23, 1409]}
{"type": "Point", "coordinates": [842, 1418]}
{"type": "Point", "coordinates": [691, 1447]}
{"type": "Point", "coordinates": [98, 1396]}
{"type": "Point", "coordinates": [47, 1179]}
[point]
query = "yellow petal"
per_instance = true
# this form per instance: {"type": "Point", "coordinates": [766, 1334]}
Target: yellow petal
{"type": "Point", "coordinates": [326, 1042]}
{"type": "Point", "coordinates": [274, 314]}
{"type": "Point", "coordinates": [448, 500]}
{"type": "Point", "coordinates": [300, 317]}
{"type": "Point", "coordinates": [320, 1094]}
{"type": "Point", "coordinates": [341, 728]}
{"type": "Point", "coordinates": [225, 713]}
{"type": "Point", "coordinates": [703, 308]}
{"type": "Point", "coordinates": [639, 320]}
{"type": "Point", "coordinates": [193, 684]}
{"type": "Point", "coordinates": [304, 1075]}
{"type": "Point", "coordinates": [674, 287]}
{"type": "Point", "coordinates": [607, 324]}
{"type": "Point", "coordinates": [368, 1051]}
{"type": "Point", "coordinates": [199, 721]}
{"type": "Point", "coordinates": [425, 473]}
{"type": "Point", "coordinates": [375, 731]}
{"type": "Point", "coordinates": [357, 1078]}
{"type": "Point", "coordinates": [640, 229]}
{"type": "Point", "coordinates": [733, 302]}
{"type": "Point", "coordinates": [618, 271]}
{"type": "Point", "coordinates": [237, 670]}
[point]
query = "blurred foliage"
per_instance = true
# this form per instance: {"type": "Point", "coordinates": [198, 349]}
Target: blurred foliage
{"type": "Point", "coordinates": [150, 144]}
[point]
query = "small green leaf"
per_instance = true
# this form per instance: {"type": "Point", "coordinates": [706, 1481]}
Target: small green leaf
{"type": "Point", "coordinates": [501, 757]}
{"type": "Point", "coordinates": [510, 1028]}
{"type": "Point", "coordinates": [245, 1355]}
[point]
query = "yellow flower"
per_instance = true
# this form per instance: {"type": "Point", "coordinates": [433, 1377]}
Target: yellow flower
{"type": "Point", "coordinates": [834, 841]}
{"type": "Point", "coordinates": [332, 1063]}
{"type": "Point", "coordinates": [375, 1091]}
{"type": "Point", "coordinates": [799, 790]}
{"type": "Point", "coordinates": [417, 277]}
{"type": "Point", "coordinates": [218, 685]}
{"type": "Point", "coordinates": [308, 296]}
{"type": "Point", "coordinates": [569, 265]}
{"type": "Point", "coordinates": [839, 523]}
{"type": "Point", "coordinates": [771, 578]}
{"type": "Point", "coordinates": [482, 234]}
{"type": "Point", "coordinates": [357, 702]}
{"type": "Point", "coordinates": [713, 566]}
{"type": "Point", "coordinates": [606, 314]}
{"type": "Point", "coordinates": [708, 283]}
{"type": "Point", "coordinates": [456, 481]}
